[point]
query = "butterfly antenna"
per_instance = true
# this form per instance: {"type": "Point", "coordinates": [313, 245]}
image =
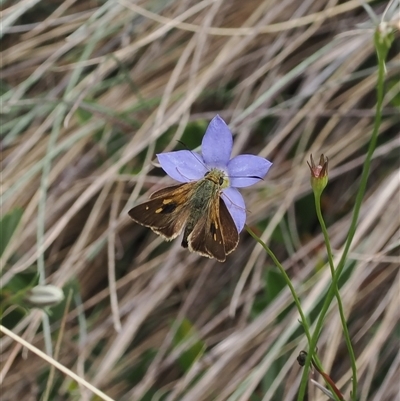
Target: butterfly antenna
{"type": "Point", "coordinates": [247, 176]}
{"type": "Point", "coordinates": [183, 144]}
{"type": "Point", "coordinates": [195, 155]}
{"type": "Point", "coordinates": [232, 202]}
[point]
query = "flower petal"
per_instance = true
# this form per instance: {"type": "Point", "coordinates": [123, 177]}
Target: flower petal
{"type": "Point", "coordinates": [235, 203]}
{"type": "Point", "coordinates": [245, 170]}
{"type": "Point", "coordinates": [182, 165]}
{"type": "Point", "coordinates": [216, 146]}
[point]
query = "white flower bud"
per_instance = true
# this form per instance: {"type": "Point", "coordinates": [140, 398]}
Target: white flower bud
{"type": "Point", "coordinates": [44, 295]}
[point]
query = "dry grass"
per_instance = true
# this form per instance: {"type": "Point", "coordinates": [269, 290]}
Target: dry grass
{"type": "Point", "coordinates": [92, 91]}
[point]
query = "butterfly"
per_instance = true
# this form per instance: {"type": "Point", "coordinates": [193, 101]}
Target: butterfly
{"type": "Point", "coordinates": [197, 209]}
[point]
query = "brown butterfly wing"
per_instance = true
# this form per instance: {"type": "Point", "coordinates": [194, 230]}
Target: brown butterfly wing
{"type": "Point", "coordinates": [168, 191]}
{"type": "Point", "coordinates": [206, 237]}
{"type": "Point", "coordinates": [166, 212]}
{"type": "Point", "coordinates": [229, 230]}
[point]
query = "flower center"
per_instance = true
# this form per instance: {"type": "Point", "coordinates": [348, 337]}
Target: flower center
{"type": "Point", "coordinates": [219, 177]}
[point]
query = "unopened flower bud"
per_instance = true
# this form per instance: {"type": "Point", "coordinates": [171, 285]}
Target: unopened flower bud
{"type": "Point", "coordinates": [44, 295]}
{"type": "Point", "coordinates": [384, 33]}
{"type": "Point", "coordinates": [319, 174]}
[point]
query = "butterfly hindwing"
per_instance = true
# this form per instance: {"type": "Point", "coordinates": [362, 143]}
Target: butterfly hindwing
{"type": "Point", "coordinates": [206, 237]}
{"type": "Point", "coordinates": [229, 229]}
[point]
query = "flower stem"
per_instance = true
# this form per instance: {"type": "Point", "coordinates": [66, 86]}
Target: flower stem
{"type": "Point", "coordinates": [287, 279]}
{"type": "Point", "coordinates": [337, 295]}
{"type": "Point", "coordinates": [356, 211]}
{"type": "Point", "coordinates": [304, 321]}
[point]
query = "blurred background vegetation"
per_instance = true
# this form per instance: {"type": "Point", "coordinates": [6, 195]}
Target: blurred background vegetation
{"type": "Point", "coordinates": [90, 92]}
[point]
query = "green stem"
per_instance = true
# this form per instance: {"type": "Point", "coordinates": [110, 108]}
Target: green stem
{"type": "Point", "coordinates": [287, 279]}
{"type": "Point", "coordinates": [337, 295]}
{"type": "Point", "coordinates": [353, 224]}
{"type": "Point", "coordinates": [296, 301]}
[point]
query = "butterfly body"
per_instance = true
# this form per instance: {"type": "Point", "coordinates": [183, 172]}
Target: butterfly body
{"type": "Point", "coordinates": [197, 209]}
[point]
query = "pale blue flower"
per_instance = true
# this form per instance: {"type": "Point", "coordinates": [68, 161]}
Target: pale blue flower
{"type": "Point", "coordinates": [242, 171]}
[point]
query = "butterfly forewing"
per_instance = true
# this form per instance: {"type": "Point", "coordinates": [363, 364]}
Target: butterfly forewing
{"type": "Point", "coordinates": [172, 191]}
{"type": "Point", "coordinates": [166, 212]}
